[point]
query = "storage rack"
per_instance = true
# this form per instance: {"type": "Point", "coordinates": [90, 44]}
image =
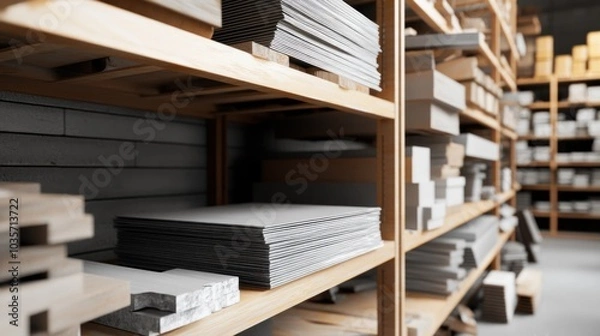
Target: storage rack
{"type": "Point", "coordinates": [553, 84]}
{"type": "Point", "coordinates": [164, 54]}
{"type": "Point", "coordinates": [437, 308]}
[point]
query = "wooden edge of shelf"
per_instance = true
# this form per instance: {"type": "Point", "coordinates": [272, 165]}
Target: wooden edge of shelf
{"type": "Point", "coordinates": [540, 187]}
{"type": "Point", "coordinates": [533, 137]}
{"type": "Point", "coordinates": [157, 44]}
{"type": "Point", "coordinates": [430, 15]}
{"type": "Point", "coordinates": [539, 106]}
{"type": "Point", "coordinates": [576, 215]}
{"type": "Point", "coordinates": [585, 78]}
{"type": "Point", "coordinates": [481, 117]}
{"type": "Point", "coordinates": [534, 81]}
{"type": "Point", "coordinates": [509, 80]}
{"type": "Point", "coordinates": [256, 306]}
{"type": "Point", "coordinates": [534, 165]}
{"type": "Point", "coordinates": [459, 216]}
{"type": "Point", "coordinates": [509, 133]}
{"type": "Point", "coordinates": [547, 79]}
{"type": "Point", "coordinates": [579, 164]}
{"type": "Point", "coordinates": [541, 214]}
{"type": "Point", "coordinates": [439, 307]}
{"type": "Point", "coordinates": [578, 189]}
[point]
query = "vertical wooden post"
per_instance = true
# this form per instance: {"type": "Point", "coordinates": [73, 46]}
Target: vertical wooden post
{"type": "Point", "coordinates": [390, 156]}
{"type": "Point", "coordinates": [217, 160]}
{"type": "Point", "coordinates": [553, 152]}
{"type": "Point", "coordinates": [495, 44]}
{"type": "Point", "coordinates": [513, 30]}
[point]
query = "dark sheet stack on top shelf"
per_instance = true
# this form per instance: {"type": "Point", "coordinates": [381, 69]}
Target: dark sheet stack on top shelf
{"type": "Point", "coordinates": [328, 34]}
{"type": "Point", "coordinates": [265, 245]}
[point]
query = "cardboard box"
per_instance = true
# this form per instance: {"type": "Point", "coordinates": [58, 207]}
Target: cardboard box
{"type": "Point", "coordinates": [579, 68]}
{"type": "Point", "coordinates": [475, 94]}
{"type": "Point", "coordinates": [436, 87]}
{"type": "Point", "coordinates": [564, 66]}
{"type": "Point", "coordinates": [418, 164]}
{"type": "Point", "coordinates": [578, 93]}
{"type": "Point", "coordinates": [420, 194]}
{"type": "Point", "coordinates": [544, 46]}
{"type": "Point", "coordinates": [428, 117]}
{"type": "Point", "coordinates": [593, 44]}
{"type": "Point", "coordinates": [477, 147]}
{"type": "Point", "coordinates": [543, 68]}
{"type": "Point", "coordinates": [460, 69]}
{"type": "Point", "coordinates": [580, 53]}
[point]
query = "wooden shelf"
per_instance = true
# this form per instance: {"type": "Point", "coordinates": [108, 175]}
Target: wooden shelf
{"type": "Point", "coordinates": [438, 308]}
{"type": "Point", "coordinates": [543, 187]}
{"type": "Point", "coordinates": [585, 78]}
{"type": "Point", "coordinates": [566, 104]}
{"type": "Point", "coordinates": [163, 48]}
{"type": "Point", "coordinates": [578, 215]}
{"type": "Point", "coordinates": [576, 138]}
{"type": "Point", "coordinates": [256, 306]}
{"type": "Point", "coordinates": [480, 117]}
{"type": "Point", "coordinates": [505, 74]}
{"type": "Point", "coordinates": [541, 214]}
{"type": "Point", "coordinates": [579, 164]}
{"type": "Point", "coordinates": [430, 15]}
{"type": "Point", "coordinates": [534, 165]}
{"type": "Point", "coordinates": [509, 133]}
{"type": "Point", "coordinates": [457, 216]}
{"type": "Point", "coordinates": [533, 81]}
{"type": "Point", "coordinates": [539, 106]}
{"type": "Point", "coordinates": [533, 137]}
{"type": "Point", "coordinates": [578, 189]}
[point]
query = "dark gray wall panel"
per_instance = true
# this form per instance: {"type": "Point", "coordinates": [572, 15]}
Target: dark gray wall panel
{"type": "Point", "coordinates": [31, 119]}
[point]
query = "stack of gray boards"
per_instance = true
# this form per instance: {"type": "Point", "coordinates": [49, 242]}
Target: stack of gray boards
{"type": "Point", "coordinates": [162, 302]}
{"type": "Point", "coordinates": [481, 235]}
{"type": "Point", "coordinates": [435, 267]}
{"type": "Point", "coordinates": [328, 34]}
{"type": "Point", "coordinates": [514, 257]}
{"type": "Point", "coordinates": [499, 296]}
{"type": "Point", "coordinates": [475, 174]}
{"type": "Point", "coordinates": [265, 245]}
{"type": "Point", "coordinates": [529, 234]}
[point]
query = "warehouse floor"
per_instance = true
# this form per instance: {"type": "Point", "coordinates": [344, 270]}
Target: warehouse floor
{"type": "Point", "coordinates": [570, 297]}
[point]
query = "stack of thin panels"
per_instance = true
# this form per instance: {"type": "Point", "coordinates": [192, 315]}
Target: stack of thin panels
{"type": "Point", "coordinates": [514, 257]}
{"type": "Point", "coordinates": [481, 235]}
{"type": "Point", "coordinates": [330, 34]}
{"type": "Point", "coordinates": [529, 291]}
{"type": "Point", "coordinates": [475, 174]}
{"type": "Point", "coordinates": [265, 245]}
{"type": "Point", "coordinates": [41, 281]}
{"type": "Point", "coordinates": [499, 296]}
{"type": "Point", "coordinates": [529, 234]}
{"type": "Point", "coordinates": [435, 267]}
{"type": "Point", "coordinates": [161, 302]}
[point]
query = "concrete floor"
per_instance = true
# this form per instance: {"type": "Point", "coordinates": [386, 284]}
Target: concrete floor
{"type": "Point", "coordinates": [571, 293]}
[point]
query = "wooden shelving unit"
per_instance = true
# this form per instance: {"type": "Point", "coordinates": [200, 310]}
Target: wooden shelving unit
{"type": "Point", "coordinates": [438, 307]}
{"type": "Point", "coordinates": [544, 187]}
{"type": "Point", "coordinates": [552, 84]}
{"type": "Point", "coordinates": [223, 78]}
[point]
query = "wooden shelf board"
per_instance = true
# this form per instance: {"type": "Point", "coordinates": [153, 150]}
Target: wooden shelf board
{"type": "Point", "coordinates": [566, 104]}
{"type": "Point", "coordinates": [509, 133]}
{"type": "Point", "coordinates": [543, 187]}
{"type": "Point", "coordinates": [457, 216]}
{"type": "Point", "coordinates": [430, 15]}
{"type": "Point", "coordinates": [539, 106]}
{"type": "Point", "coordinates": [438, 307]}
{"type": "Point", "coordinates": [506, 74]}
{"type": "Point", "coordinates": [533, 81]}
{"type": "Point", "coordinates": [533, 137]}
{"type": "Point", "coordinates": [535, 164]}
{"type": "Point", "coordinates": [478, 116]}
{"type": "Point", "coordinates": [576, 138]}
{"type": "Point", "coordinates": [256, 306]}
{"type": "Point", "coordinates": [579, 164]}
{"type": "Point", "coordinates": [578, 189]}
{"type": "Point", "coordinates": [585, 78]}
{"type": "Point", "coordinates": [577, 215]}
{"type": "Point", "coordinates": [541, 214]}
{"type": "Point", "coordinates": [156, 44]}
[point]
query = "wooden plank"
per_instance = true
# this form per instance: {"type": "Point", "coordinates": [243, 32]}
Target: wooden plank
{"type": "Point", "coordinates": [148, 129]}
{"type": "Point", "coordinates": [437, 308]}
{"type": "Point", "coordinates": [480, 117]}
{"type": "Point", "coordinates": [23, 118]}
{"type": "Point", "coordinates": [427, 12]}
{"type": "Point", "coordinates": [507, 32]}
{"type": "Point", "coordinates": [129, 182]}
{"type": "Point", "coordinates": [161, 45]}
{"type": "Point", "coordinates": [262, 52]}
{"type": "Point", "coordinates": [34, 260]}
{"type": "Point", "coordinates": [257, 306]}
{"type": "Point", "coordinates": [543, 187]}
{"type": "Point", "coordinates": [575, 215]}
{"type": "Point", "coordinates": [112, 74]}
{"type": "Point", "coordinates": [269, 109]}
{"type": "Point", "coordinates": [18, 52]}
